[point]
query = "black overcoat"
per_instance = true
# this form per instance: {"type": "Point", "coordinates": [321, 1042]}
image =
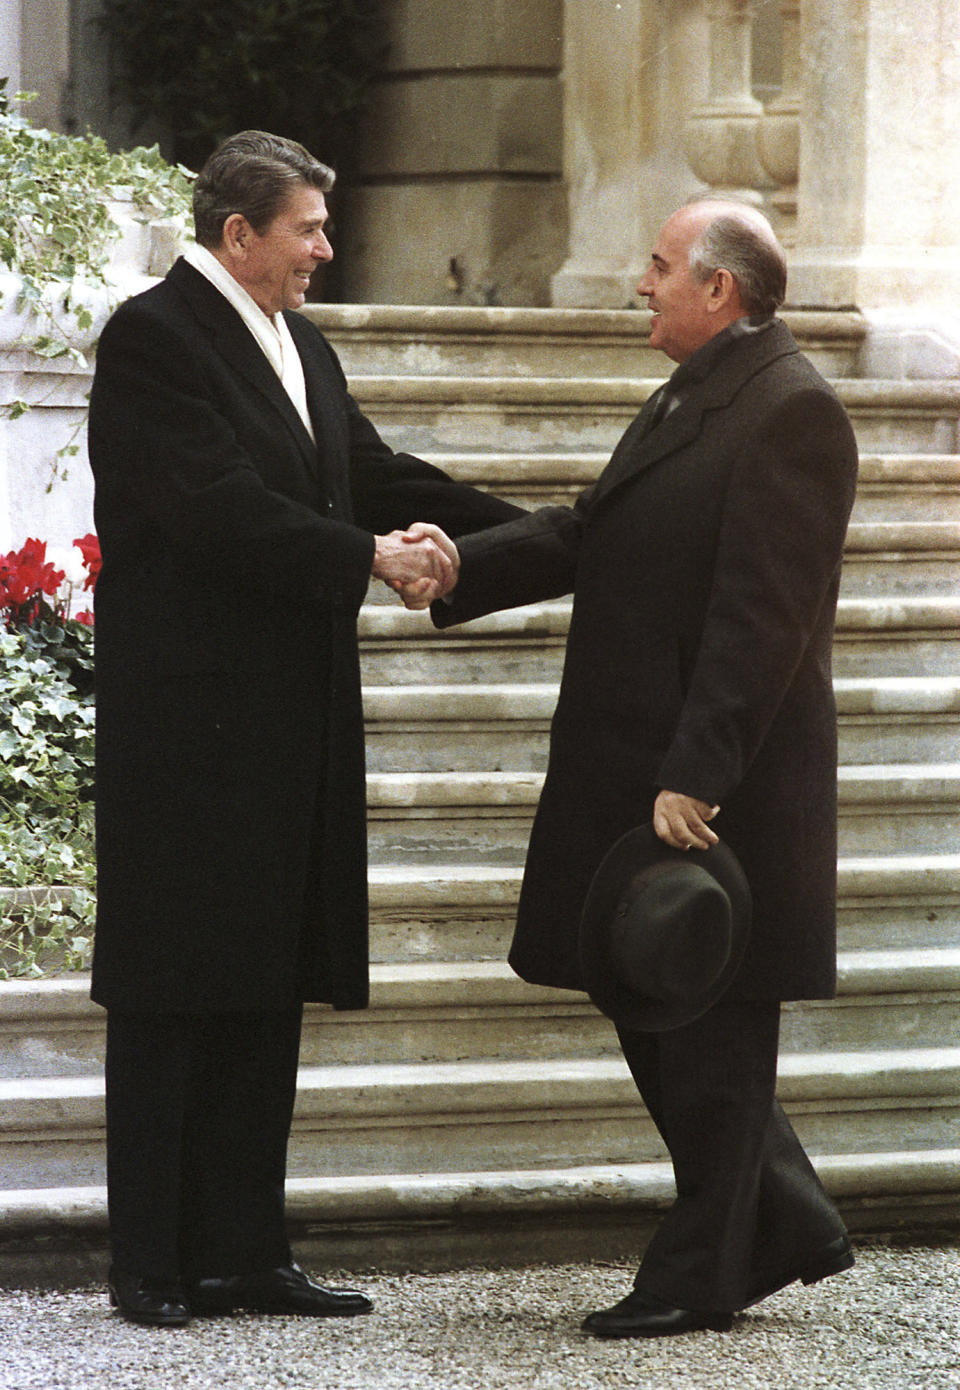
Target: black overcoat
{"type": "Point", "coordinates": [231, 830]}
{"type": "Point", "coordinates": [705, 565]}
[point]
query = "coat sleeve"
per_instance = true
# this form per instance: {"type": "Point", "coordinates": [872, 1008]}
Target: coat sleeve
{"type": "Point", "coordinates": [391, 490]}
{"type": "Point", "coordinates": [523, 561]}
{"type": "Point", "coordinates": [775, 580]}
{"type": "Point", "coordinates": [169, 466]}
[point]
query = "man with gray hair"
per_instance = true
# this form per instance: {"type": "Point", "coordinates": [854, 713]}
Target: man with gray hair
{"type": "Point", "coordinates": [243, 503]}
{"type": "Point", "coordinates": [693, 750]}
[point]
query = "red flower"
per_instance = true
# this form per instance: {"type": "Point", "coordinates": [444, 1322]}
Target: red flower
{"type": "Point", "coordinates": [86, 617]}
{"type": "Point", "coordinates": [25, 574]}
{"type": "Point", "coordinates": [90, 550]}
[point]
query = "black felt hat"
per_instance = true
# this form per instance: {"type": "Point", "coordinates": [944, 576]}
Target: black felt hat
{"type": "Point", "coordinates": [663, 930]}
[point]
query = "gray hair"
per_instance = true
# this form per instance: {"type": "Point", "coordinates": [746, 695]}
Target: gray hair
{"type": "Point", "coordinates": [744, 244]}
{"type": "Point", "coordinates": [252, 173]}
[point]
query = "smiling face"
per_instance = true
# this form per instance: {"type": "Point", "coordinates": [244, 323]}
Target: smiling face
{"type": "Point", "coordinates": [687, 312]}
{"type": "Point", "coordinates": [274, 266]}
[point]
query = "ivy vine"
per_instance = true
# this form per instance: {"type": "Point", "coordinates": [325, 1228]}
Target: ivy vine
{"type": "Point", "coordinates": [47, 859]}
{"type": "Point", "coordinates": [57, 232]}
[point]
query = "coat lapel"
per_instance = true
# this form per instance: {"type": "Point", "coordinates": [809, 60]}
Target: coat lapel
{"type": "Point", "coordinates": [233, 341]}
{"type": "Point", "coordinates": [639, 449]}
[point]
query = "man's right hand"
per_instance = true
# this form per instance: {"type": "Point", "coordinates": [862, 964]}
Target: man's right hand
{"type": "Point", "coordinates": [420, 564]}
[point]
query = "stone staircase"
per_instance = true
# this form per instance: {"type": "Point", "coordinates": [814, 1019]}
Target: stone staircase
{"type": "Point", "coordinates": [464, 1099]}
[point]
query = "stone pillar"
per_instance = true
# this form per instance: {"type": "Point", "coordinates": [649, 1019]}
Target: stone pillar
{"type": "Point", "coordinates": [778, 134]}
{"type": "Point", "coordinates": [632, 69]}
{"type": "Point", "coordinates": [879, 191]}
{"type": "Point", "coordinates": [720, 139]}
{"type": "Point", "coordinates": [45, 60]}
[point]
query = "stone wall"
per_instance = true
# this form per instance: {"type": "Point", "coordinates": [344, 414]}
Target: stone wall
{"type": "Point", "coordinates": [458, 198]}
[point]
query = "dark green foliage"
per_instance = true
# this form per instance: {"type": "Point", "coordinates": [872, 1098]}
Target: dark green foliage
{"type": "Point", "coordinates": [298, 68]}
{"type": "Point", "coordinates": [46, 797]}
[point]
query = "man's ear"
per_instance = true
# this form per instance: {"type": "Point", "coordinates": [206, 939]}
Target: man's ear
{"type": "Point", "coordinates": [236, 234]}
{"type": "Point", "coordinates": [724, 292]}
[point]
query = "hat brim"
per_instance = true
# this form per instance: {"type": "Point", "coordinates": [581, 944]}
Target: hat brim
{"type": "Point", "coordinates": [639, 849]}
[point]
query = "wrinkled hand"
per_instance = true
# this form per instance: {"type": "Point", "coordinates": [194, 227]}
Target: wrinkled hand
{"type": "Point", "coordinates": [681, 821]}
{"type": "Point", "coordinates": [417, 595]}
{"type": "Point", "coordinates": [421, 564]}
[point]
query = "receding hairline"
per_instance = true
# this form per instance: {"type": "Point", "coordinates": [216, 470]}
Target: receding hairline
{"type": "Point", "coordinates": [723, 209]}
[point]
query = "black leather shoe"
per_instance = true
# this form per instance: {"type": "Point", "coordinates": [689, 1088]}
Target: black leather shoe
{"type": "Point", "coordinates": [284, 1290]}
{"type": "Point", "coordinates": [152, 1302]}
{"type": "Point", "coordinates": [639, 1315]}
{"type": "Point", "coordinates": [831, 1259]}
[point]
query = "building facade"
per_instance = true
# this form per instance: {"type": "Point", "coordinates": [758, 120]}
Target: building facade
{"type": "Point", "coordinates": [524, 152]}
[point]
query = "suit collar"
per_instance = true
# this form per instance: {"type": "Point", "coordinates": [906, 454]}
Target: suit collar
{"type": "Point", "coordinates": [739, 360]}
{"type": "Point", "coordinates": [234, 342]}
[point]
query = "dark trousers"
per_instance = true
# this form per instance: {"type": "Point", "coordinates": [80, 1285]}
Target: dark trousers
{"type": "Point", "coordinates": [198, 1114]}
{"type": "Point", "coordinates": [750, 1209]}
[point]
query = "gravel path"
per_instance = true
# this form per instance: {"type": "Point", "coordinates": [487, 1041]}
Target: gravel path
{"type": "Point", "coordinates": [893, 1323]}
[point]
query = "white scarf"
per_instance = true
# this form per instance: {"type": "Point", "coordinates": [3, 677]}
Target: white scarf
{"type": "Point", "coordinates": [272, 334]}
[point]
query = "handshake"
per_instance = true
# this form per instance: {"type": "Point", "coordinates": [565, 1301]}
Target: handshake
{"type": "Point", "coordinates": [420, 564]}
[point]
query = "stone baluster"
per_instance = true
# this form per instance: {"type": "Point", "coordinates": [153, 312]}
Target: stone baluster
{"type": "Point", "coordinates": [720, 137]}
{"type": "Point", "coordinates": [778, 132]}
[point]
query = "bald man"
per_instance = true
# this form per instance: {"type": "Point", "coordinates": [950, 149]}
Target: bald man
{"type": "Point", "coordinates": [697, 696]}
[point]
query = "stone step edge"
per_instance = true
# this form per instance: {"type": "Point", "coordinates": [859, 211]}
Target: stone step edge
{"type": "Point", "coordinates": [556, 464]}
{"type": "Point", "coordinates": [566, 394]}
{"type": "Point", "coordinates": [891, 785]}
{"type": "Point", "coordinates": [450, 320]}
{"type": "Point", "coordinates": [485, 1193]}
{"type": "Point", "coordinates": [894, 537]}
{"type": "Point", "coordinates": [506, 702]}
{"type": "Point", "coordinates": [519, 471]}
{"type": "Point", "coordinates": [358, 1095]}
{"type": "Point", "coordinates": [883, 879]}
{"type": "Point", "coordinates": [427, 986]}
{"type": "Point", "coordinates": [889, 613]}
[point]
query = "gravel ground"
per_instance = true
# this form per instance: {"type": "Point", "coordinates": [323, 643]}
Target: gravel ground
{"type": "Point", "coordinates": [892, 1323]}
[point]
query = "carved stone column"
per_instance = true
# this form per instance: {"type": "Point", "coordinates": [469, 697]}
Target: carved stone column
{"type": "Point", "coordinates": [778, 133]}
{"type": "Point", "coordinates": [879, 193]}
{"type": "Point", "coordinates": [632, 69]}
{"type": "Point", "coordinates": [720, 139]}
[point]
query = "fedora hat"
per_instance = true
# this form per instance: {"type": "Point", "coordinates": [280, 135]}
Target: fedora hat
{"type": "Point", "coordinates": [663, 931]}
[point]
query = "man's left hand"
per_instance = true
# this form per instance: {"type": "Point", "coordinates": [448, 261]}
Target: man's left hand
{"type": "Point", "coordinates": [681, 821]}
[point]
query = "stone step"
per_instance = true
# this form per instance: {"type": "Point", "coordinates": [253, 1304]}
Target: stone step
{"type": "Point", "coordinates": [485, 817]}
{"type": "Point", "coordinates": [892, 487]}
{"type": "Point", "coordinates": [386, 1118]}
{"type": "Point", "coordinates": [465, 912]}
{"type": "Point", "coordinates": [884, 636]}
{"type": "Point", "coordinates": [440, 413]}
{"type": "Point", "coordinates": [446, 1011]}
{"type": "Point", "coordinates": [478, 341]}
{"type": "Point", "coordinates": [498, 727]}
{"type": "Point", "coordinates": [897, 636]}
{"type": "Point", "coordinates": [890, 558]}
{"type": "Point", "coordinates": [920, 1182]}
{"type": "Point", "coordinates": [457, 912]}
{"type": "Point", "coordinates": [886, 719]}
{"type": "Point", "coordinates": [914, 487]}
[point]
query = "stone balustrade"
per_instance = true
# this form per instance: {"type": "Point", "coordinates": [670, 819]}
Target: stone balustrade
{"type": "Point", "coordinates": [854, 154]}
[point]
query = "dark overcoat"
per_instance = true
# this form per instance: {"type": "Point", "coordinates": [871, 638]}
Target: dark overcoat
{"type": "Point", "coordinates": [231, 824]}
{"type": "Point", "coordinates": [705, 566]}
